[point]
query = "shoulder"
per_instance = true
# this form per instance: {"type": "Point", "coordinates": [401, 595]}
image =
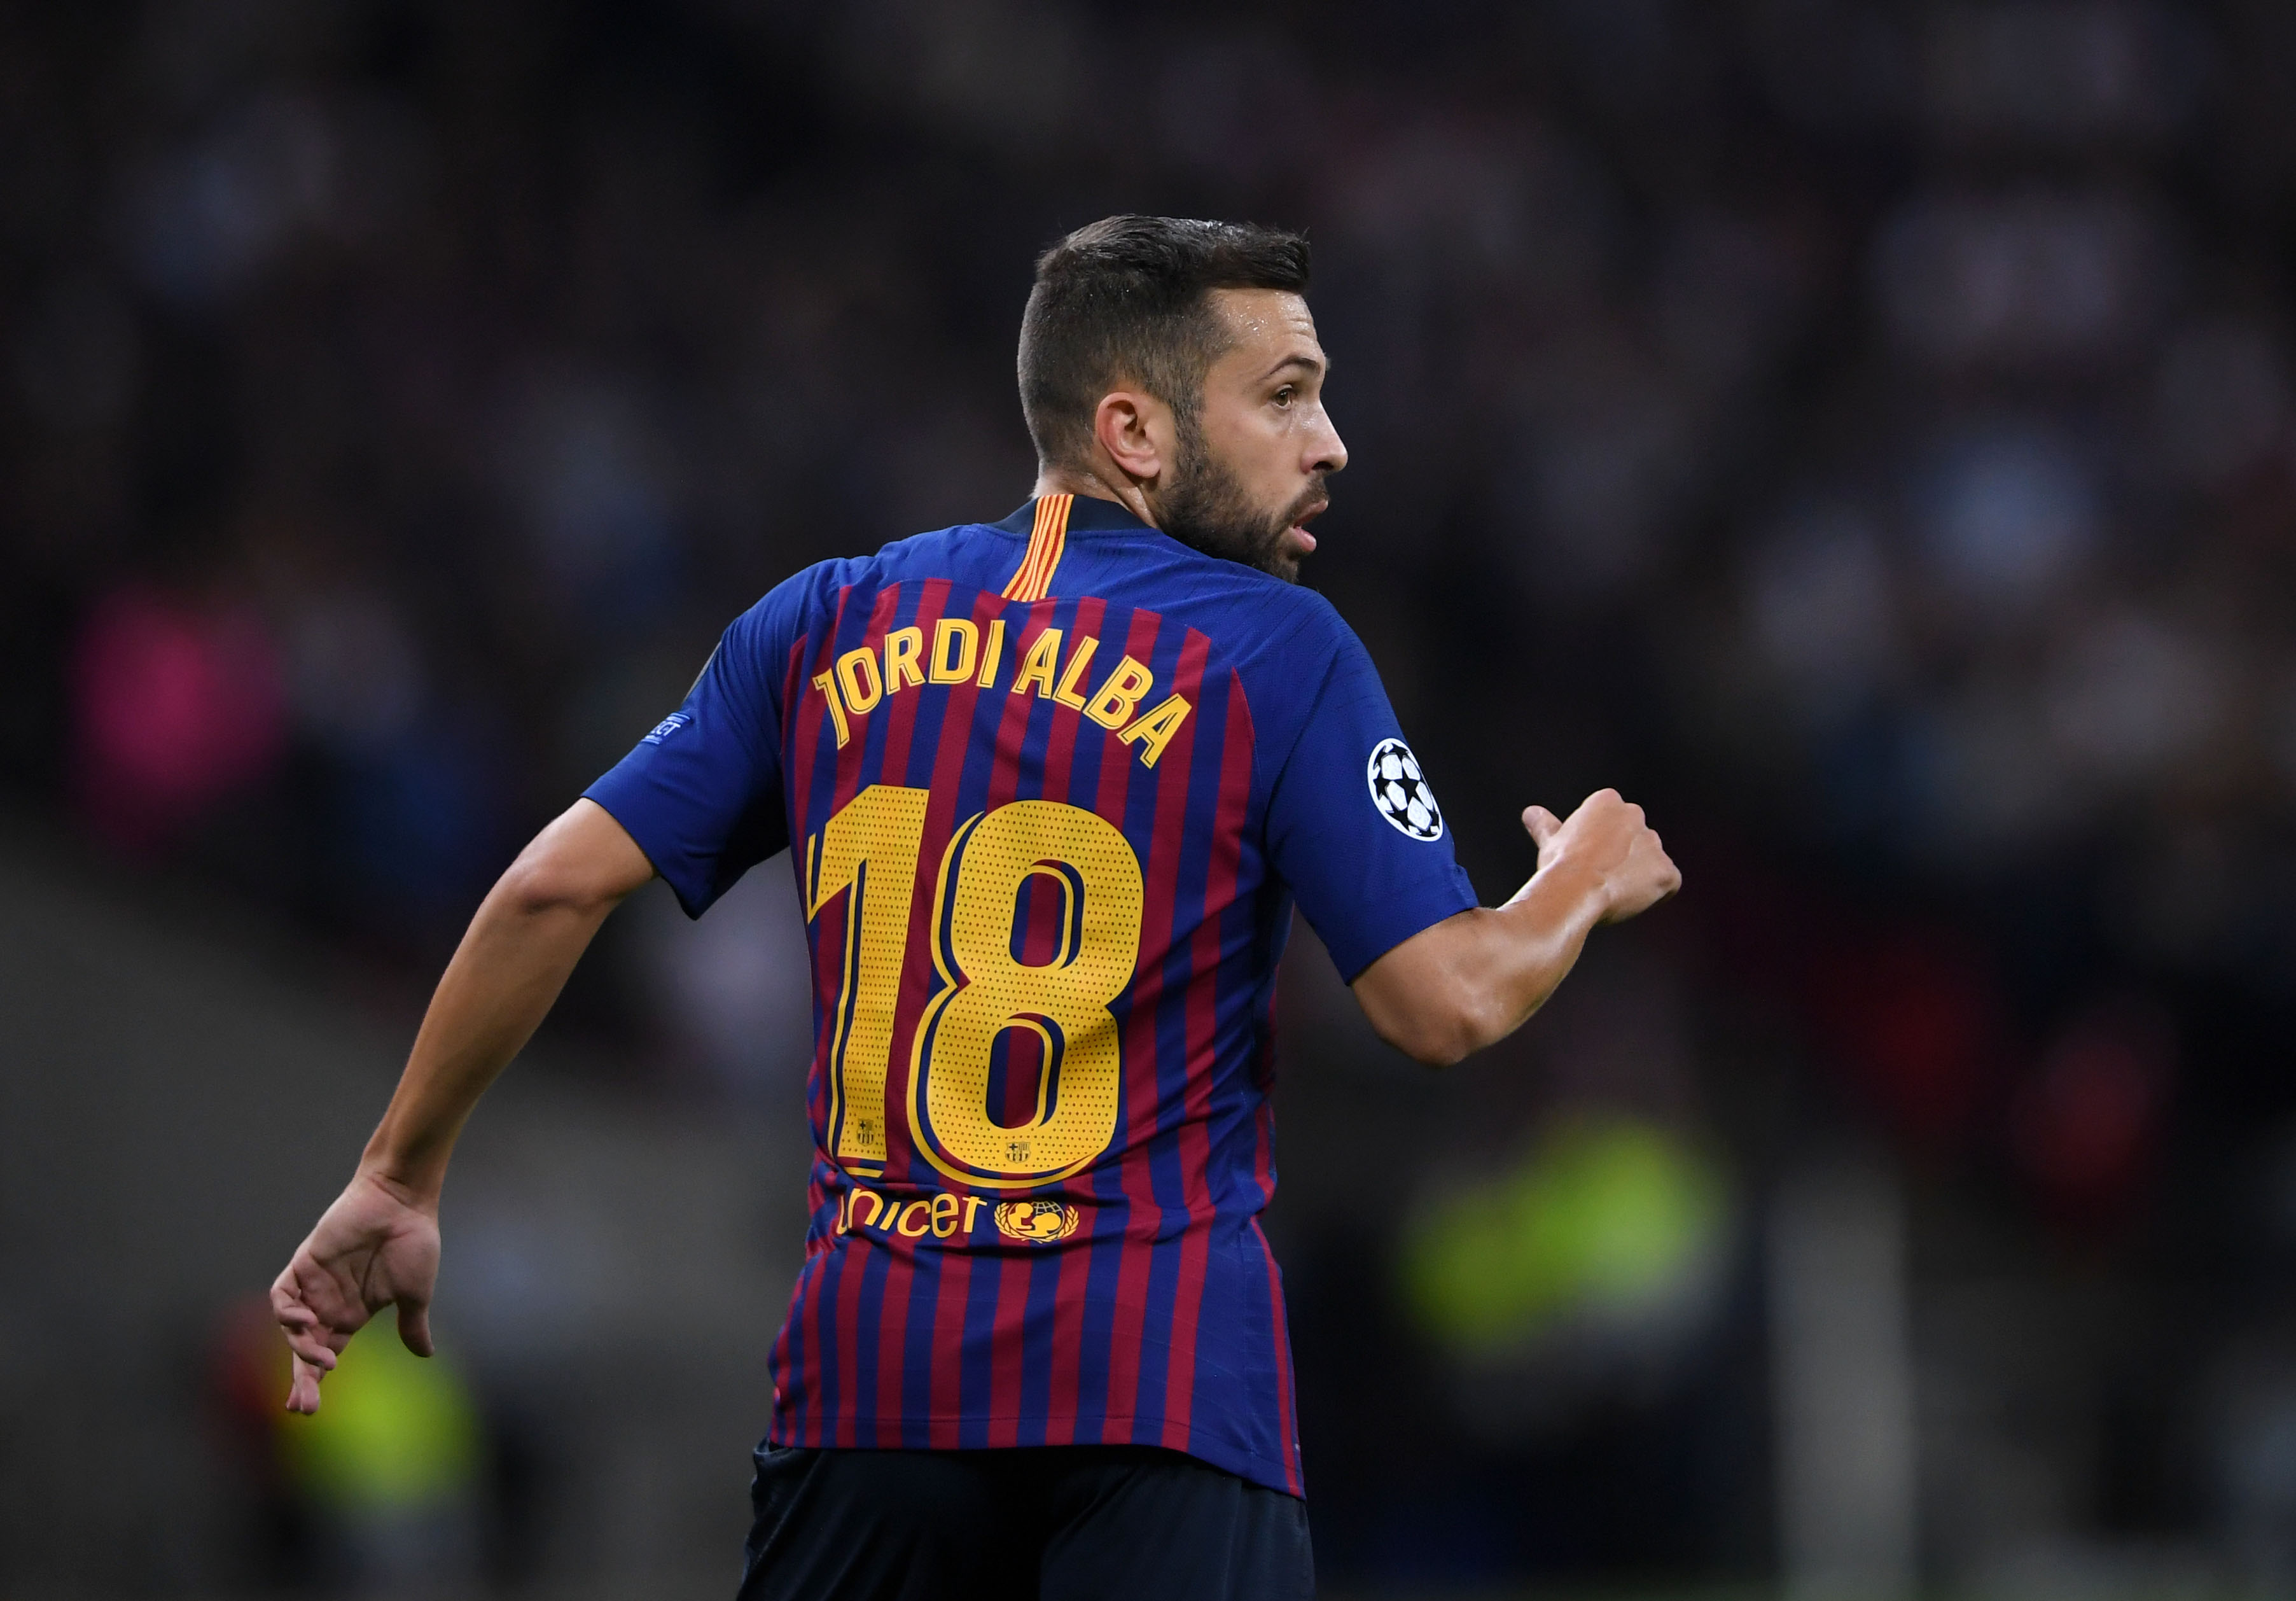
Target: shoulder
{"type": "Point", "coordinates": [1251, 613]}
{"type": "Point", "coordinates": [931, 554]}
{"type": "Point", "coordinates": [812, 596]}
{"type": "Point", "coordinates": [756, 645]}
{"type": "Point", "coordinates": [1304, 664]}
{"type": "Point", "coordinates": [966, 552]}
{"type": "Point", "coordinates": [1314, 620]}
{"type": "Point", "coordinates": [783, 609]}
{"type": "Point", "coordinates": [807, 594]}
{"type": "Point", "coordinates": [1284, 626]}
{"type": "Point", "coordinates": [1286, 646]}
{"type": "Point", "coordinates": [975, 553]}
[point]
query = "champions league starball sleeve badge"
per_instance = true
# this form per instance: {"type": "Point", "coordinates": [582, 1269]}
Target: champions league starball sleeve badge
{"type": "Point", "coordinates": [1400, 792]}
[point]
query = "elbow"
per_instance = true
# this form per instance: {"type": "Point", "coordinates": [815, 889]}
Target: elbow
{"type": "Point", "coordinates": [1438, 1048]}
{"type": "Point", "coordinates": [583, 865]}
{"type": "Point", "coordinates": [1450, 1039]}
{"type": "Point", "coordinates": [1442, 1030]}
{"type": "Point", "coordinates": [1440, 997]}
{"type": "Point", "coordinates": [540, 883]}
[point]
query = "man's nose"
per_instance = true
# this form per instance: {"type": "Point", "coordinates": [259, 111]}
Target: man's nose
{"type": "Point", "coordinates": [1331, 454]}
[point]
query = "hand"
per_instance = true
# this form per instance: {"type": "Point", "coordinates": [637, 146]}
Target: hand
{"type": "Point", "coordinates": [376, 1245]}
{"type": "Point", "coordinates": [1608, 837]}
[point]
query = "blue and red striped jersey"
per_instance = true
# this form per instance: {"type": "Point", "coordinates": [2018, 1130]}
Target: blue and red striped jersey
{"type": "Point", "coordinates": [1053, 786]}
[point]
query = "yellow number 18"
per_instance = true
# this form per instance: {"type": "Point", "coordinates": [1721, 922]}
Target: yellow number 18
{"type": "Point", "coordinates": [869, 852]}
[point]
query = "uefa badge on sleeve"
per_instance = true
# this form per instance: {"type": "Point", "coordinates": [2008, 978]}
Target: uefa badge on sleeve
{"type": "Point", "coordinates": [1400, 791]}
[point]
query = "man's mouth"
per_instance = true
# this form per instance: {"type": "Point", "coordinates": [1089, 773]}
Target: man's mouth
{"type": "Point", "coordinates": [1297, 532]}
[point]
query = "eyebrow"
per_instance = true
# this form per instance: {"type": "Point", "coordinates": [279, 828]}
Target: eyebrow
{"type": "Point", "coordinates": [1309, 362]}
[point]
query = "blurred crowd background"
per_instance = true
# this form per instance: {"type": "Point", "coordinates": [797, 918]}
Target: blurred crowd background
{"type": "Point", "coordinates": [1863, 433]}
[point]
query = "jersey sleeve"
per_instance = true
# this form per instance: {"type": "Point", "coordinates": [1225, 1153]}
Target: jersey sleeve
{"type": "Point", "coordinates": [701, 795]}
{"type": "Point", "coordinates": [1353, 827]}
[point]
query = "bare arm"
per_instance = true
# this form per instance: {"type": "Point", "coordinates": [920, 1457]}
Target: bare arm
{"type": "Point", "coordinates": [1471, 980]}
{"type": "Point", "coordinates": [379, 1243]}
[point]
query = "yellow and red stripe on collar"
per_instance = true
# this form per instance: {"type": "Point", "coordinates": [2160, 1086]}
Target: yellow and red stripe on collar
{"type": "Point", "coordinates": [1047, 539]}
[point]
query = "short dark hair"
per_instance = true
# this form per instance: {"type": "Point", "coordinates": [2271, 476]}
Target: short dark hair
{"type": "Point", "coordinates": [1129, 299]}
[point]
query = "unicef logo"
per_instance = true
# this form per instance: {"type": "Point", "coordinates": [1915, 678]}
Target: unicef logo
{"type": "Point", "coordinates": [1401, 794]}
{"type": "Point", "coordinates": [1036, 1221]}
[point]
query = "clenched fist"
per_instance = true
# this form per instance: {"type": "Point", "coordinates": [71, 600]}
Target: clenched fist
{"type": "Point", "coordinates": [1608, 836]}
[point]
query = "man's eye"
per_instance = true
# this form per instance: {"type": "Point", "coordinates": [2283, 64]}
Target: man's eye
{"type": "Point", "coordinates": [1283, 396]}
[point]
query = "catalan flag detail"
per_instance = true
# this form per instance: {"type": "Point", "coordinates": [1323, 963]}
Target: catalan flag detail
{"type": "Point", "coordinates": [1048, 847]}
{"type": "Point", "coordinates": [1048, 533]}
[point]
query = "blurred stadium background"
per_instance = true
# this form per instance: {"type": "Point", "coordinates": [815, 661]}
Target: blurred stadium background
{"type": "Point", "coordinates": [1861, 431]}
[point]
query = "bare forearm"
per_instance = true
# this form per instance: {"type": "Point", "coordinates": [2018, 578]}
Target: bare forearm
{"type": "Point", "coordinates": [531, 930]}
{"type": "Point", "coordinates": [504, 978]}
{"type": "Point", "coordinates": [1481, 975]}
{"type": "Point", "coordinates": [1474, 979]}
{"type": "Point", "coordinates": [1520, 953]}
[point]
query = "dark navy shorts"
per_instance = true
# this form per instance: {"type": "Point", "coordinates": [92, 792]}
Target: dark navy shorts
{"type": "Point", "coordinates": [1070, 1523]}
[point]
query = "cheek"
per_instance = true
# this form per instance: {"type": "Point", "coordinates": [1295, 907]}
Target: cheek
{"type": "Point", "coordinates": [1287, 433]}
{"type": "Point", "coordinates": [1274, 473]}
{"type": "Point", "coordinates": [1261, 447]}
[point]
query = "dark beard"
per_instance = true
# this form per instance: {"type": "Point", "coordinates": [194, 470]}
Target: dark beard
{"type": "Point", "coordinates": [1206, 509]}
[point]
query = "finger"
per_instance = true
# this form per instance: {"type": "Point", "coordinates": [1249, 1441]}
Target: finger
{"type": "Point", "coordinates": [303, 1388]}
{"type": "Point", "coordinates": [306, 1337]}
{"type": "Point", "coordinates": [414, 1326]}
{"type": "Point", "coordinates": [1670, 879]}
{"type": "Point", "coordinates": [311, 1346]}
{"type": "Point", "coordinates": [1542, 824]}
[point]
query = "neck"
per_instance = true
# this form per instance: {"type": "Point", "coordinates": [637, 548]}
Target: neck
{"type": "Point", "coordinates": [1098, 482]}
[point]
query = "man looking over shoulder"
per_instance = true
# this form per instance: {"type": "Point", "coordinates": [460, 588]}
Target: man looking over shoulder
{"type": "Point", "coordinates": [1051, 787]}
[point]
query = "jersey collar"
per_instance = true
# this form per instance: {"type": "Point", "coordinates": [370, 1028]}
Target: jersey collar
{"type": "Point", "coordinates": [1087, 513]}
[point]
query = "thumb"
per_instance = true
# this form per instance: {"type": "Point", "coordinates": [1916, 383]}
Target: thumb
{"type": "Point", "coordinates": [1541, 824]}
{"type": "Point", "coordinates": [414, 1326]}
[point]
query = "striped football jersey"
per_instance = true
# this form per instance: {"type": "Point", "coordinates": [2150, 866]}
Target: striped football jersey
{"type": "Point", "coordinates": [1051, 787]}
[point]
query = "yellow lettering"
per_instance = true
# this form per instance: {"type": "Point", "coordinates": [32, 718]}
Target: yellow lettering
{"type": "Point", "coordinates": [827, 683]}
{"type": "Point", "coordinates": [1066, 694]}
{"type": "Point", "coordinates": [1037, 666]}
{"type": "Point", "coordinates": [1155, 730]}
{"type": "Point", "coordinates": [915, 1208]}
{"type": "Point", "coordinates": [944, 1215]}
{"type": "Point", "coordinates": [878, 1206]}
{"type": "Point", "coordinates": [992, 652]}
{"type": "Point", "coordinates": [1113, 707]}
{"type": "Point", "coordinates": [973, 1205]}
{"type": "Point", "coordinates": [852, 667]}
{"type": "Point", "coordinates": [954, 666]}
{"type": "Point", "coordinates": [903, 646]}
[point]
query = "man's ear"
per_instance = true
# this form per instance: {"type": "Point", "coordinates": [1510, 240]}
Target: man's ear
{"type": "Point", "coordinates": [1136, 430]}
